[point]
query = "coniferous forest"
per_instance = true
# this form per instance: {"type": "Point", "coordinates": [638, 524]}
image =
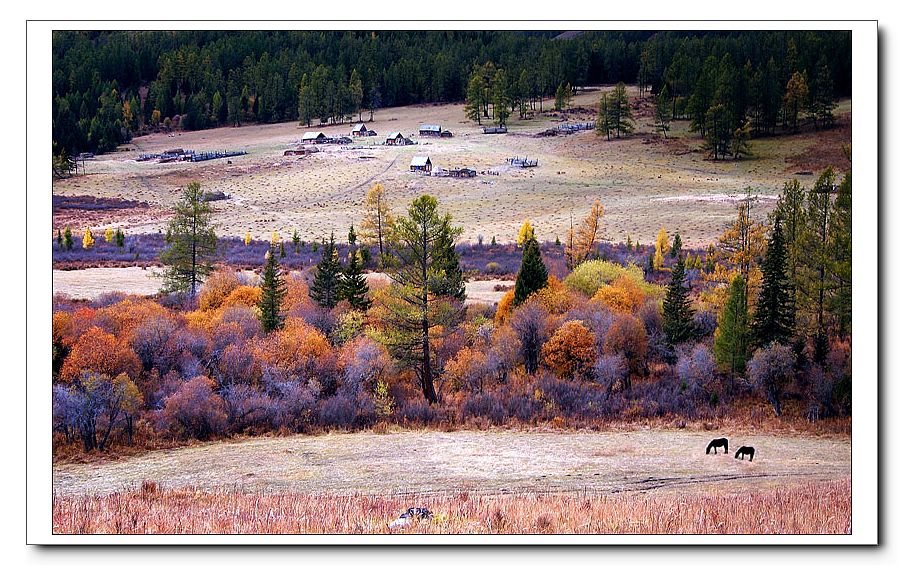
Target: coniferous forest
{"type": "Point", "coordinates": [109, 86]}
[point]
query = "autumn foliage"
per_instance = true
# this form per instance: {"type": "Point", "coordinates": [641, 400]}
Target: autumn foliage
{"type": "Point", "coordinates": [571, 350]}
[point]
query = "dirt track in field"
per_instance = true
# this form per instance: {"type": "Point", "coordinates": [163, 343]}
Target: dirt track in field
{"type": "Point", "coordinates": [483, 461]}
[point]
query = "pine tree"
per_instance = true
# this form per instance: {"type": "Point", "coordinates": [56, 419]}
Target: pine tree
{"type": "Point", "coordinates": [493, 241]}
{"type": "Point", "coordinates": [532, 276]}
{"type": "Point", "coordinates": [296, 241]}
{"type": "Point", "coordinates": [324, 289]}
{"type": "Point", "coordinates": [192, 242]}
{"type": "Point", "coordinates": [602, 117]}
{"type": "Point", "coordinates": [273, 292]}
{"type": "Point", "coordinates": [353, 285]}
{"type": "Point", "coordinates": [840, 251]}
{"type": "Point", "coordinates": [621, 120]}
{"type": "Point", "coordinates": [663, 115]}
{"type": "Point", "coordinates": [59, 239]}
{"type": "Point", "coordinates": [732, 338]}
{"type": "Point", "coordinates": [449, 280]}
{"type": "Point", "coordinates": [474, 98]}
{"type": "Point", "coordinates": [677, 315]}
{"type": "Point", "coordinates": [120, 238]}
{"type": "Point", "coordinates": [67, 239]}
{"type": "Point", "coordinates": [676, 246]}
{"type": "Point", "coordinates": [773, 319]}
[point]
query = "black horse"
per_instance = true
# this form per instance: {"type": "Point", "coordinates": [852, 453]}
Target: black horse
{"type": "Point", "coordinates": [744, 451]}
{"type": "Point", "coordinates": [716, 443]}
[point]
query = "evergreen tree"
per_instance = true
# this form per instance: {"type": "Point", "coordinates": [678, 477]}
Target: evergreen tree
{"type": "Point", "coordinates": [448, 278]}
{"type": "Point", "coordinates": [602, 117]}
{"type": "Point", "coordinates": [67, 238]}
{"type": "Point", "coordinates": [296, 241]}
{"type": "Point", "coordinates": [353, 285]}
{"type": "Point", "coordinates": [773, 319]}
{"type": "Point", "coordinates": [474, 98]}
{"type": "Point", "coordinates": [192, 242]}
{"type": "Point", "coordinates": [59, 239]}
{"type": "Point", "coordinates": [621, 120]}
{"type": "Point", "coordinates": [415, 314]}
{"type": "Point", "coordinates": [732, 338]}
{"type": "Point", "coordinates": [273, 292]}
{"type": "Point", "coordinates": [676, 246]}
{"type": "Point", "coordinates": [532, 275]}
{"type": "Point", "coordinates": [841, 257]}
{"type": "Point", "coordinates": [823, 101]}
{"type": "Point", "coordinates": [817, 286]}
{"type": "Point", "coordinates": [120, 238]}
{"type": "Point", "coordinates": [663, 114]}
{"type": "Point", "coordinates": [324, 289]}
{"type": "Point", "coordinates": [677, 315]}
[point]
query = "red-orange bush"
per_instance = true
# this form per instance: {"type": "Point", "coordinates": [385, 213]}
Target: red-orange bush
{"type": "Point", "coordinates": [571, 350]}
{"type": "Point", "coordinates": [195, 410]}
{"type": "Point", "coordinates": [100, 352]}
{"type": "Point", "coordinates": [628, 337]}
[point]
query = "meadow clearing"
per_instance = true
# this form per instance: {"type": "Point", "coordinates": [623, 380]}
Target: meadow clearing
{"type": "Point", "coordinates": [644, 180]}
{"type": "Point", "coordinates": [498, 481]}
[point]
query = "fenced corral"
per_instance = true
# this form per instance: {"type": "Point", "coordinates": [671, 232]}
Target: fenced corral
{"type": "Point", "coordinates": [568, 128]}
{"type": "Point", "coordinates": [182, 155]}
{"type": "Point", "coordinates": [202, 156]}
{"type": "Point", "coordinates": [495, 130]}
{"type": "Point", "coordinates": [522, 162]}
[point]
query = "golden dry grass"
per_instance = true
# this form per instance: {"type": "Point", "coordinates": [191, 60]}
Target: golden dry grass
{"type": "Point", "coordinates": [486, 461]}
{"type": "Point", "coordinates": [634, 177]}
{"type": "Point", "coordinates": [814, 508]}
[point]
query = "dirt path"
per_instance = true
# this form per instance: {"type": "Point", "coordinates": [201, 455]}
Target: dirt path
{"type": "Point", "coordinates": [492, 462]}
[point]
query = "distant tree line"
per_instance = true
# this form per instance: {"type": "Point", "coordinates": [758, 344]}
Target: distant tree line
{"type": "Point", "coordinates": [109, 85]}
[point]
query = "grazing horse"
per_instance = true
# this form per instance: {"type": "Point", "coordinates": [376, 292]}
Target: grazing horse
{"type": "Point", "coordinates": [744, 451]}
{"type": "Point", "coordinates": [716, 443]}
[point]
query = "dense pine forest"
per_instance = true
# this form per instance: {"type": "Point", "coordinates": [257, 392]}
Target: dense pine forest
{"type": "Point", "coordinates": [109, 86]}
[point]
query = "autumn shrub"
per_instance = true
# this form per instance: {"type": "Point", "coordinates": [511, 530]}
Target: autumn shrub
{"type": "Point", "coordinates": [243, 296]}
{"type": "Point", "coordinates": [522, 406]}
{"type": "Point", "coordinates": [504, 307]}
{"type": "Point", "coordinates": [100, 352]}
{"type": "Point", "coordinates": [484, 405]}
{"type": "Point", "coordinates": [416, 411]}
{"type": "Point", "coordinates": [298, 351]}
{"type": "Point", "coordinates": [151, 342]}
{"type": "Point", "coordinates": [769, 371]}
{"type": "Point", "coordinates": [216, 288]}
{"type": "Point", "coordinates": [362, 362]}
{"type": "Point", "coordinates": [589, 276]}
{"type": "Point", "coordinates": [529, 322]}
{"type": "Point", "coordinates": [697, 371]}
{"type": "Point", "coordinates": [556, 297]}
{"type": "Point", "coordinates": [624, 295]}
{"type": "Point", "coordinates": [576, 398]}
{"type": "Point", "coordinates": [610, 370]}
{"type": "Point", "coordinates": [628, 337]}
{"type": "Point", "coordinates": [195, 410]}
{"type": "Point", "coordinates": [247, 408]}
{"type": "Point", "coordinates": [570, 351]}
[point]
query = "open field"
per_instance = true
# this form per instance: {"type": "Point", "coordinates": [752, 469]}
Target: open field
{"type": "Point", "coordinates": [823, 508]}
{"type": "Point", "coordinates": [91, 283]}
{"type": "Point", "coordinates": [492, 462]}
{"type": "Point", "coordinates": [643, 181]}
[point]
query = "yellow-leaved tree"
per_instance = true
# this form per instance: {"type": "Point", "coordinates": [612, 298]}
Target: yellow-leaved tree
{"type": "Point", "coordinates": [582, 241]}
{"type": "Point", "coordinates": [87, 239]}
{"type": "Point", "coordinates": [525, 233]}
{"type": "Point", "coordinates": [247, 238]}
{"type": "Point", "coordinates": [662, 242]}
{"type": "Point", "coordinates": [108, 235]}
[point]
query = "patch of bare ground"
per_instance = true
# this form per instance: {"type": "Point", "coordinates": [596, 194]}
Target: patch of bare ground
{"type": "Point", "coordinates": [827, 148]}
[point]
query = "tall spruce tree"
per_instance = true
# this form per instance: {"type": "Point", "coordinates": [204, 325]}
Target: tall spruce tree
{"type": "Point", "coordinates": [676, 246]}
{"type": "Point", "coordinates": [192, 242]}
{"type": "Point", "coordinates": [731, 345]}
{"type": "Point", "coordinates": [273, 291]}
{"type": "Point", "coordinates": [841, 256]}
{"type": "Point", "coordinates": [325, 288]}
{"type": "Point", "coordinates": [353, 285]}
{"type": "Point", "coordinates": [773, 319]}
{"type": "Point", "coordinates": [532, 276]}
{"type": "Point", "coordinates": [448, 279]}
{"type": "Point", "coordinates": [677, 315]}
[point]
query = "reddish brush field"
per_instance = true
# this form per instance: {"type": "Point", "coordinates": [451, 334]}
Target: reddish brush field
{"type": "Point", "coordinates": [816, 508]}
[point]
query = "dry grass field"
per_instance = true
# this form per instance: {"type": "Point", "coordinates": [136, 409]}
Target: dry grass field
{"type": "Point", "coordinates": [817, 508]}
{"type": "Point", "coordinates": [422, 462]}
{"type": "Point", "coordinates": [643, 181]}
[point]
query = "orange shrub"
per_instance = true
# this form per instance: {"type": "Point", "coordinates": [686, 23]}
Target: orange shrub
{"type": "Point", "coordinates": [628, 337]}
{"type": "Point", "coordinates": [571, 350]}
{"type": "Point", "coordinates": [100, 352]}
{"type": "Point", "coordinates": [556, 297]}
{"type": "Point", "coordinates": [623, 295]}
{"type": "Point", "coordinates": [504, 308]}
{"type": "Point", "coordinates": [126, 316]}
{"type": "Point", "coordinates": [298, 349]}
{"type": "Point", "coordinates": [216, 288]}
{"type": "Point", "coordinates": [248, 296]}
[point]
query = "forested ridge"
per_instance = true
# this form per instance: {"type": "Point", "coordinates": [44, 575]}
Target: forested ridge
{"type": "Point", "coordinates": [108, 86]}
